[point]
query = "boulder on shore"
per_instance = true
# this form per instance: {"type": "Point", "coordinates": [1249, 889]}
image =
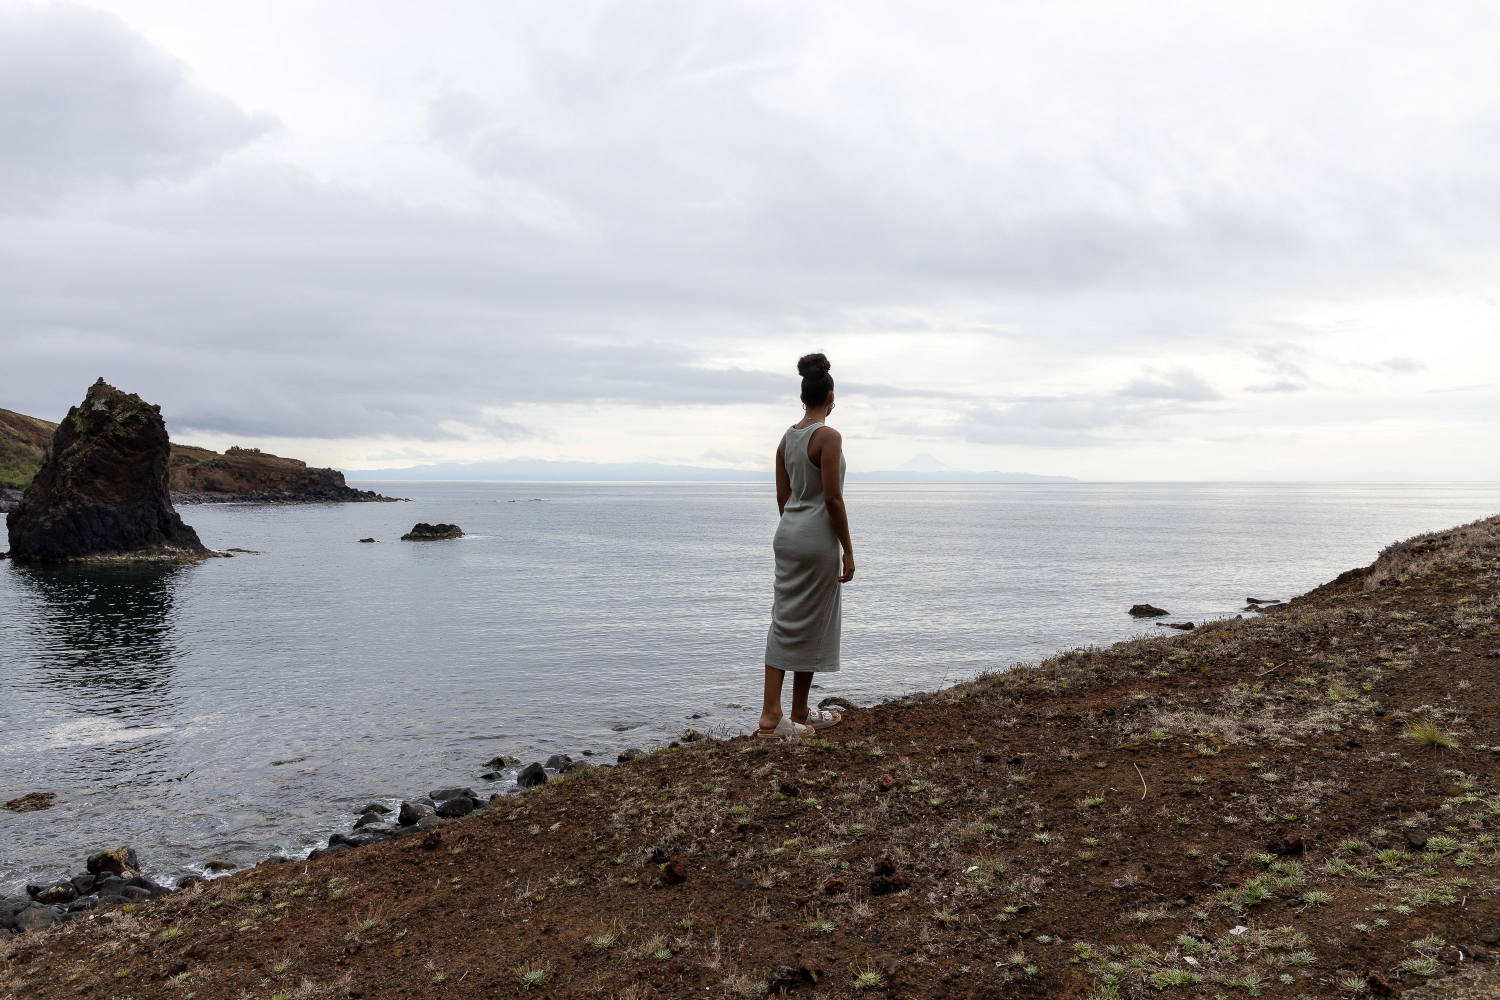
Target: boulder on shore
{"type": "Point", "coordinates": [101, 494]}
{"type": "Point", "coordinates": [423, 532]}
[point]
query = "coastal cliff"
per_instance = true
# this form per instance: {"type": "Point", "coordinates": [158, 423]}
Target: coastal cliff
{"type": "Point", "coordinates": [194, 475]}
{"type": "Point", "coordinates": [198, 475]}
{"type": "Point", "coordinates": [1303, 803]}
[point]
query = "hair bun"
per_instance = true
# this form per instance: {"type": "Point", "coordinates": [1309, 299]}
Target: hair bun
{"type": "Point", "coordinates": [813, 365]}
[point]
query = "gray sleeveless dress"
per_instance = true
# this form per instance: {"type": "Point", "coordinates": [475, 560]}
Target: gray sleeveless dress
{"type": "Point", "coordinates": [805, 619]}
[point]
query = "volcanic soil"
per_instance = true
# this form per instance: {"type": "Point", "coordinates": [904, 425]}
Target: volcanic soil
{"type": "Point", "coordinates": [1294, 804]}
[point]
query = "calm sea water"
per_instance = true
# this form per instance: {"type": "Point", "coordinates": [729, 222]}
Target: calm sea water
{"type": "Point", "coordinates": [245, 706]}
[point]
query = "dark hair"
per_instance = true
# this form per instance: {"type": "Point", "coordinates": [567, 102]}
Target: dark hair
{"type": "Point", "coordinates": [817, 384]}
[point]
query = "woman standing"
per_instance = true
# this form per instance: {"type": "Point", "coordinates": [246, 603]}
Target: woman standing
{"type": "Point", "coordinates": [804, 636]}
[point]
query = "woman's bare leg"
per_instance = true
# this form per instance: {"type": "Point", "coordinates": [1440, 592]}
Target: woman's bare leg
{"type": "Point", "coordinates": [801, 685]}
{"type": "Point", "coordinates": [770, 706]}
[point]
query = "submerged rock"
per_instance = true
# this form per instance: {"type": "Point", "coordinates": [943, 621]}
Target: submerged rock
{"type": "Point", "coordinates": [101, 494]}
{"type": "Point", "coordinates": [1147, 611]}
{"type": "Point", "coordinates": [32, 802]}
{"type": "Point", "coordinates": [423, 532]}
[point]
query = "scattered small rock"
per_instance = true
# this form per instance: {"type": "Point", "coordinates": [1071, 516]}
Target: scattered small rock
{"type": "Point", "coordinates": [119, 862]}
{"type": "Point", "coordinates": [896, 881]}
{"type": "Point", "coordinates": [692, 736]}
{"type": "Point", "coordinates": [576, 765]}
{"type": "Point", "coordinates": [833, 885]}
{"type": "Point", "coordinates": [673, 872]}
{"type": "Point", "coordinates": [188, 881]}
{"type": "Point", "coordinates": [1147, 611]}
{"type": "Point", "coordinates": [376, 807]}
{"type": "Point", "coordinates": [886, 782]}
{"type": "Point", "coordinates": [783, 978]}
{"type": "Point", "coordinates": [32, 802]}
{"type": "Point", "coordinates": [502, 760]}
{"type": "Point", "coordinates": [786, 788]}
{"type": "Point", "coordinates": [411, 812]}
{"type": "Point", "coordinates": [443, 794]}
{"type": "Point", "coordinates": [219, 865]}
{"type": "Point", "coordinates": [630, 754]}
{"type": "Point", "coordinates": [457, 806]}
{"type": "Point", "coordinates": [424, 532]}
{"type": "Point", "coordinates": [556, 761]}
{"type": "Point", "coordinates": [366, 819]}
{"type": "Point", "coordinates": [367, 540]}
{"type": "Point", "coordinates": [1378, 983]}
{"type": "Point", "coordinates": [1292, 843]}
{"type": "Point", "coordinates": [1493, 654]}
{"type": "Point", "coordinates": [1415, 837]}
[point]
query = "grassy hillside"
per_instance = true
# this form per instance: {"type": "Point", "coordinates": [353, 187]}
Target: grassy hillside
{"type": "Point", "coordinates": [23, 442]}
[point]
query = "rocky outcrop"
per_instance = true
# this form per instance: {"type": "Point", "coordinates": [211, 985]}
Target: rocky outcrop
{"type": "Point", "coordinates": [424, 532]}
{"type": "Point", "coordinates": [198, 475]}
{"type": "Point", "coordinates": [194, 475]}
{"type": "Point", "coordinates": [1147, 611]}
{"type": "Point", "coordinates": [101, 494]}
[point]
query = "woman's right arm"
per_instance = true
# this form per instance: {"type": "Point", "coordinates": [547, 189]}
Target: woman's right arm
{"type": "Point", "coordinates": [783, 480]}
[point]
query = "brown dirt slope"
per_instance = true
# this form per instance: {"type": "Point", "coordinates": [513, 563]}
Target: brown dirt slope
{"type": "Point", "coordinates": [1296, 805]}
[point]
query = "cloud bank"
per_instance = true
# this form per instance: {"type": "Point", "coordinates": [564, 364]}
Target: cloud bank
{"type": "Point", "coordinates": [1077, 239]}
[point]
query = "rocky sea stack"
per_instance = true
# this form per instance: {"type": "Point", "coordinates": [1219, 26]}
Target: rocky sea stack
{"type": "Point", "coordinates": [101, 494]}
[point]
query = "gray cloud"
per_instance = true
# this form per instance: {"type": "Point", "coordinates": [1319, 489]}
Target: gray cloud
{"type": "Point", "coordinates": [666, 180]}
{"type": "Point", "coordinates": [1178, 383]}
{"type": "Point", "coordinates": [84, 100]}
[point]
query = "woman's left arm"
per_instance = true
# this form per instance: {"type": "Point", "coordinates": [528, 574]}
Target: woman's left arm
{"type": "Point", "coordinates": [832, 449]}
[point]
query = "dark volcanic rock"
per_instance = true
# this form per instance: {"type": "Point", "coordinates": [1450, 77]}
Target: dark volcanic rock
{"type": "Point", "coordinates": [101, 494]}
{"type": "Point", "coordinates": [1415, 837]}
{"type": "Point", "coordinates": [630, 754]}
{"type": "Point", "coordinates": [531, 774]}
{"type": "Point", "coordinates": [122, 862]}
{"type": "Point", "coordinates": [1147, 611]}
{"type": "Point", "coordinates": [443, 794]}
{"type": "Point", "coordinates": [423, 532]}
{"type": "Point", "coordinates": [557, 762]}
{"type": "Point", "coordinates": [411, 812]}
{"type": "Point", "coordinates": [455, 807]}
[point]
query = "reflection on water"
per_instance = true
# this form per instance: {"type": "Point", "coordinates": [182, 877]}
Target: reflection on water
{"type": "Point", "coordinates": [105, 635]}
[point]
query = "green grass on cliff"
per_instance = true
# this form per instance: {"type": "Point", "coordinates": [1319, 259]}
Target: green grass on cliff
{"type": "Point", "coordinates": [17, 466]}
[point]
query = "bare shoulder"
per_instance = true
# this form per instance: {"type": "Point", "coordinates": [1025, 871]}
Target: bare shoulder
{"type": "Point", "coordinates": [826, 435]}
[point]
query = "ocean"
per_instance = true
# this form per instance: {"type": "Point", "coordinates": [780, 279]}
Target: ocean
{"type": "Point", "coordinates": [246, 706]}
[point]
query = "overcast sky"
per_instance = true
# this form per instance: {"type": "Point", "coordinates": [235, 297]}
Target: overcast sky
{"type": "Point", "coordinates": [1113, 241]}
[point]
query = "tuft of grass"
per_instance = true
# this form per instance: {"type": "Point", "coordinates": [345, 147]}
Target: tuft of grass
{"type": "Point", "coordinates": [171, 933]}
{"type": "Point", "coordinates": [1314, 897]}
{"type": "Point", "coordinates": [1428, 734]}
{"type": "Point", "coordinates": [1174, 977]}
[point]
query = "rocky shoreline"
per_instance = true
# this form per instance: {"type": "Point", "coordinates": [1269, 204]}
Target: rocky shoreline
{"type": "Point", "coordinates": [114, 877]}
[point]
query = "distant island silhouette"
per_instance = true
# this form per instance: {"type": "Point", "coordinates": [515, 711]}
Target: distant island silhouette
{"type": "Point", "coordinates": [920, 469]}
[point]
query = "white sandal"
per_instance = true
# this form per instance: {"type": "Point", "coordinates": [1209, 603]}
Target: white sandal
{"type": "Point", "coordinates": [786, 727]}
{"type": "Point", "coordinates": [822, 718]}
